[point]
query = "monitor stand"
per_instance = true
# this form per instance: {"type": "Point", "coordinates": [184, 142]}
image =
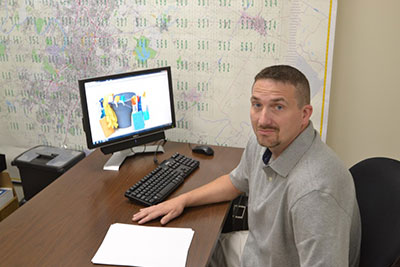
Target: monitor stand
{"type": "Point", "coordinates": [118, 158]}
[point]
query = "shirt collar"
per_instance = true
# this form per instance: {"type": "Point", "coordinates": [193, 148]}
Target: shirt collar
{"type": "Point", "coordinates": [286, 161]}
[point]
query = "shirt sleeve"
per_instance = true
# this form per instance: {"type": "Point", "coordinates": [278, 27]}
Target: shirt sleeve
{"type": "Point", "coordinates": [240, 175]}
{"type": "Point", "coordinates": [321, 230]}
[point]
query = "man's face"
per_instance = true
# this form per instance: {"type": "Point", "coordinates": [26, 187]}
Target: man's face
{"type": "Point", "coordinates": [275, 115]}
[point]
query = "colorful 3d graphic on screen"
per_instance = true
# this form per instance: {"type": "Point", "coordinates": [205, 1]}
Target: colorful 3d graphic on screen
{"type": "Point", "coordinates": [125, 110]}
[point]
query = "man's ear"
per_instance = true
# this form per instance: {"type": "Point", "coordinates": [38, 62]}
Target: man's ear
{"type": "Point", "coordinates": [307, 112]}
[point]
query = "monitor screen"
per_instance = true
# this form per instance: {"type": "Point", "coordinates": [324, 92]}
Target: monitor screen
{"type": "Point", "coordinates": [124, 107]}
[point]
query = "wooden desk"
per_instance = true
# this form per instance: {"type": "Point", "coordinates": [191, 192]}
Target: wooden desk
{"type": "Point", "coordinates": [65, 223]}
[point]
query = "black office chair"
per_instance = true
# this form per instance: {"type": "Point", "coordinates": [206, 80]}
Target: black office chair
{"type": "Point", "coordinates": [377, 183]}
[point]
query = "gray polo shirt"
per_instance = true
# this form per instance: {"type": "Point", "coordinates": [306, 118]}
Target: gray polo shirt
{"type": "Point", "coordinates": [302, 206]}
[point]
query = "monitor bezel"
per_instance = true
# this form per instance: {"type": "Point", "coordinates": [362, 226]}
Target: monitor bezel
{"type": "Point", "coordinates": [132, 137]}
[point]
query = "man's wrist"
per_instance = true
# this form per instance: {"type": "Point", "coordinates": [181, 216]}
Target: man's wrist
{"type": "Point", "coordinates": [185, 199]}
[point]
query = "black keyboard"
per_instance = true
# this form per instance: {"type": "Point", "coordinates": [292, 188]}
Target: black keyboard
{"type": "Point", "coordinates": [163, 180]}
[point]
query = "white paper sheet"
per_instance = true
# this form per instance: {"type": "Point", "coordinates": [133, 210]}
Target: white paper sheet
{"type": "Point", "coordinates": [145, 246]}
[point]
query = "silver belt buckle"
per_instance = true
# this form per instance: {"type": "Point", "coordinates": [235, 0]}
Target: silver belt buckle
{"type": "Point", "coordinates": [236, 208]}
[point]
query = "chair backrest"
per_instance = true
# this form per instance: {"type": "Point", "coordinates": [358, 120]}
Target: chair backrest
{"type": "Point", "coordinates": [377, 183]}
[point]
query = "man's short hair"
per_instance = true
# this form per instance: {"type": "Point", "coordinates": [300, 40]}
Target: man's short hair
{"type": "Point", "coordinates": [288, 74]}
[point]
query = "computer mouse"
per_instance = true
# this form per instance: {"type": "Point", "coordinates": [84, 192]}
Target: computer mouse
{"type": "Point", "coordinates": [202, 149]}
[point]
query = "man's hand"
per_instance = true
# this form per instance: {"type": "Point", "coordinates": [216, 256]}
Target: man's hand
{"type": "Point", "coordinates": [169, 209]}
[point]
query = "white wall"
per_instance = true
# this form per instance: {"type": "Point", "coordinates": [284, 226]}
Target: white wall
{"type": "Point", "coordinates": [364, 112]}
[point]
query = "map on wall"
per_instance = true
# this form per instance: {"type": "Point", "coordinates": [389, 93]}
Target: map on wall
{"type": "Point", "coordinates": [215, 48]}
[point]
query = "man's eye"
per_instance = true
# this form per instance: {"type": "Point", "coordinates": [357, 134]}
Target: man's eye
{"type": "Point", "coordinates": [278, 107]}
{"type": "Point", "coordinates": [256, 105]}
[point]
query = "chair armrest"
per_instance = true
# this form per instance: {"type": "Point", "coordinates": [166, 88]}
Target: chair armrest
{"type": "Point", "coordinates": [396, 262]}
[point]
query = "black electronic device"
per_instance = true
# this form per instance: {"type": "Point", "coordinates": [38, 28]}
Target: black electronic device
{"type": "Point", "coordinates": [163, 180]}
{"type": "Point", "coordinates": [3, 164]}
{"type": "Point", "coordinates": [202, 149]}
{"type": "Point", "coordinates": [123, 111]}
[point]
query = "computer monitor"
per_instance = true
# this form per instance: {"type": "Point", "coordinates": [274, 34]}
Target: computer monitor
{"type": "Point", "coordinates": [123, 111]}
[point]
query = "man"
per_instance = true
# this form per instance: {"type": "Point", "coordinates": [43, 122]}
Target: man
{"type": "Point", "coordinates": [302, 205]}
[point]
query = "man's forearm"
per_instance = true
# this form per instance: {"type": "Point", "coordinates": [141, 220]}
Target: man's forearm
{"type": "Point", "coordinates": [221, 189]}
{"type": "Point", "coordinates": [218, 190]}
